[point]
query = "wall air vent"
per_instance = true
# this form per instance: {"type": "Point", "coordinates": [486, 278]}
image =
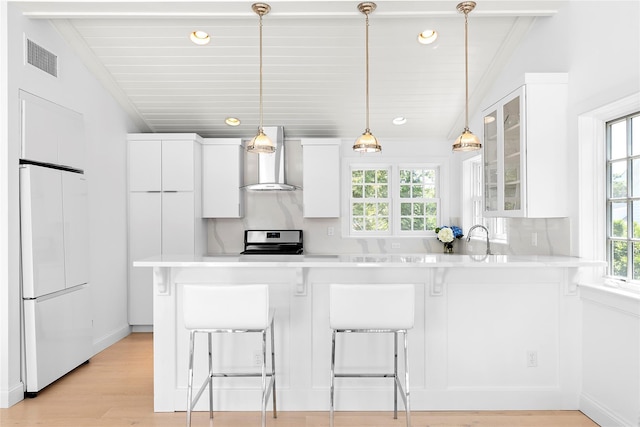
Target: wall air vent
{"type": "Point", "coordinates": [41, 58]}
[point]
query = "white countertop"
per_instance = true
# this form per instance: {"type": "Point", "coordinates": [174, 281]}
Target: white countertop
{"type": "Point", "coordinates": [367, 260]}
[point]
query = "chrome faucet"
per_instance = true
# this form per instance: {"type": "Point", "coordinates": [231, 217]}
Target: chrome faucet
{"type": "Point", "coordinates": [485, 230]}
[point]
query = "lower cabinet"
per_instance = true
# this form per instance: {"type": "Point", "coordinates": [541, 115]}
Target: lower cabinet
{"type": "Point", "coordinates": [145, 240]}
{"type": "Point", "coordinates": [160, 223]}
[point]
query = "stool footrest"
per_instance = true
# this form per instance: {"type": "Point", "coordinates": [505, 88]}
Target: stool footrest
{"type": "Point", "coordinates": [238, 374]}
{"type": "Point", "coordinates": [391, 375]}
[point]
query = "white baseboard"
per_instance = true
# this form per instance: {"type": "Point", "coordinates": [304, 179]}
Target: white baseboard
{"type": "Point", "coordinates": [110, 339]}
{"type": "Point", "coordinates": [141, 328]}
{"type": "Point", "coordinates": [12, 396]}
{"type": "Point", "coordinates": [602, 415]}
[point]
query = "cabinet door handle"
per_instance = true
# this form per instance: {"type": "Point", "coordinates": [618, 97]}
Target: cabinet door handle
{"type": "Point", "coordinates": [170, 191]}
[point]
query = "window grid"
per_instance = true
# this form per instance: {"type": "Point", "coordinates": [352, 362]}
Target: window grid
{"type": "Point", "coordinates": [419, 202]}
{"type": "Point", "coordinates": [370, 202]}
{"type": "Point", "coordinates": [623, 197]}
{"type": "Point", "coordinates": [497, 226]}
{"type": "Point", "coordinates": [476, 192]}
{"type": "Point", "coordinates": [394, 199]}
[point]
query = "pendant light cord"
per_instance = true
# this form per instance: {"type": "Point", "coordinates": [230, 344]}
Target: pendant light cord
{"type": "Point", "coordinates": [260, 128]}
{"type": "Point", "coordinates": [466, 73]}
{"type": "Point", "coordinates": [366, 50]}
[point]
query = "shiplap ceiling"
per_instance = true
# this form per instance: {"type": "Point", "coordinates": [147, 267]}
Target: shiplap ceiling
{"type": "Point", "coordinates": [314, 62]}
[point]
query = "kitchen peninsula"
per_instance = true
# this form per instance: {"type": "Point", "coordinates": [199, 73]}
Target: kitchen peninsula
{"type": "Point", "coordinates": [492, 332]}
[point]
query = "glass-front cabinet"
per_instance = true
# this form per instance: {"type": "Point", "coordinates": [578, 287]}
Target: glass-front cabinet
{"type": "Point", "coordinates": [503, 146]}
{"type": "Point", "coordinates": [525, 150]}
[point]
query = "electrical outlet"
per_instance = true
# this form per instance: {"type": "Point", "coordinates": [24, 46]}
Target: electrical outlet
{"type": "Point", "coordinates": [534, 239]}
{"type": "Point", "coordinates": [330, 231]}
{"type": "Point", "coordinates": [395, 246]}
{"type": "Point", "coordinates": [257, 358]}
{"type": "Point", "coordinates": [532, 359]}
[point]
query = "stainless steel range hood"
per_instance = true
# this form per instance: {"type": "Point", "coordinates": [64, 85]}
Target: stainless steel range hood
{"type": "Point", "coordinates": [272, 167]}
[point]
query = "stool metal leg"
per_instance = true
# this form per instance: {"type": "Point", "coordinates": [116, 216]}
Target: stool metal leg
{"type": "Point", "coordinates": [263, 415]}
{"type": "Point", "coordinates": [406, 378]}
{"type": "Point", "coordinates": [190, 379]}
{"type": "Point", "coordinates": [209, 339]}
{"type": "Point", "coordinates": [395, 375]}
{"type": "Point", "coordinates": [333, 374]}
{"type": "Point", "coordinates": [273, 371]}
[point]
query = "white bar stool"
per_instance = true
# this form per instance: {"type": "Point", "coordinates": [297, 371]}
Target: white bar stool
{"type": "Point", "coordinates": [211, 308]}
{"type": "Point", "coordinates": [373, 308]}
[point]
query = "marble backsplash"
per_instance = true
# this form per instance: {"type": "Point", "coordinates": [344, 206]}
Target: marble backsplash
{"type": "Point", "coordinates": [283, 210]}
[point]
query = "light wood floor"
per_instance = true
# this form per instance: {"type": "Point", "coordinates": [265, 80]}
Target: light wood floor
{"type": "Point", "coordinates": [116, 389]}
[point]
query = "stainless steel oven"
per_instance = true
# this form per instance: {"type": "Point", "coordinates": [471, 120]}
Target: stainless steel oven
{"type": "Point", "coordinates": [273, 242]}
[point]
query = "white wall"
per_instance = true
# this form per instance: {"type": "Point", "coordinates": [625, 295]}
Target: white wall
{"type": "Point", "coordinates": [7, 382]}
{"type": "Point", "coordinates": [106, 127]}
{"type": "Point", "coordinates": [610, 392]}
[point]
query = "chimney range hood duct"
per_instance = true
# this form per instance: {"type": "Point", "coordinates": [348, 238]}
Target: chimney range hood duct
{"type": "Point", "coordinates": [272, 166]}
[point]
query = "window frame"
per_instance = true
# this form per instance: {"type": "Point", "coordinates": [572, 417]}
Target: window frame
{"type": "Point", "coordinates": [589, 232]}
{"type": "Point", "coordinates": [441, 164]}
{"type": "Point", "coordinates": [628, 199]}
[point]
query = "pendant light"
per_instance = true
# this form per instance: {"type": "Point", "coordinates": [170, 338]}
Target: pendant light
{"type": "Point", "coordinates": [261, 143]}
{"type": "Point", "coordinates": [467, 141]}
{"type": "Point", "coordinates": [367, 143]}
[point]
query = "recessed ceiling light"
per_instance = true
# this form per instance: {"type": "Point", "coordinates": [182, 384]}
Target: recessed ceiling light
{"type": "Point", "coordinates": [200, 37]}
{"type": "Point", "coordinates": [399, 120]}
{"type": "Point", "coordinates": [427, 36]}
{"type": "Point", "coordinates": [232, 121]}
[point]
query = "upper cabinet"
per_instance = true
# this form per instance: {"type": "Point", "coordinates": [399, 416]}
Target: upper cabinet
{"type": "Point", "coordinates": [321, 177]}
{"type": "Point", "coordinates": [525, 150]}
{"type": "Point", "coordinates": [161, 164]}
{"type": "Point", "coordinates": [51, 133]}
{"type": "Point", "coordinates": [222, 178]}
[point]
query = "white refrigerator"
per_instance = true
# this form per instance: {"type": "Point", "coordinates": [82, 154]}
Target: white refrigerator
{"type": "Point", "coordinates": [57, 319]}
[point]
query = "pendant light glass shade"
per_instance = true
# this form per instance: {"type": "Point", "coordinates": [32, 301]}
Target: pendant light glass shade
{"type": "Point", "coordinates": [467, 141]}
{"type": "Point", "coordinates": [261, 143]}
{"type": "Point", "coordinates": [367, 143]}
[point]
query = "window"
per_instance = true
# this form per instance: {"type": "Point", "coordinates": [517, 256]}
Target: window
{"type": "Point", "coordinates": [623, 197]}
{"type": "Point", "coordinates": [370, 200]}
{"type": "Point", "coordinates": [418, 201]}
{"type": "Point", "coordinates": [474, 202]}
{"type": "Point", "coordinates": [394, 200]}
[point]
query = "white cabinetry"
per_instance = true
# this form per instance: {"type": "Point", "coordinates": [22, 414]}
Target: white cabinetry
{"type": "Point", "coordinates": [164, 209]}
{"type": "Point", "coordinates": [51, 133]}
{"type": "Point", "coordinates": [321, 177]}
{"type": "Point", "coordinates": [222, 178]}
{"type": "Point", "coordinates": [525, 150]}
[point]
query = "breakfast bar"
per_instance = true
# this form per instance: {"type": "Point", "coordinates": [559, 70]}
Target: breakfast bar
{"type": "Point", "coordinates": [491, 331]}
